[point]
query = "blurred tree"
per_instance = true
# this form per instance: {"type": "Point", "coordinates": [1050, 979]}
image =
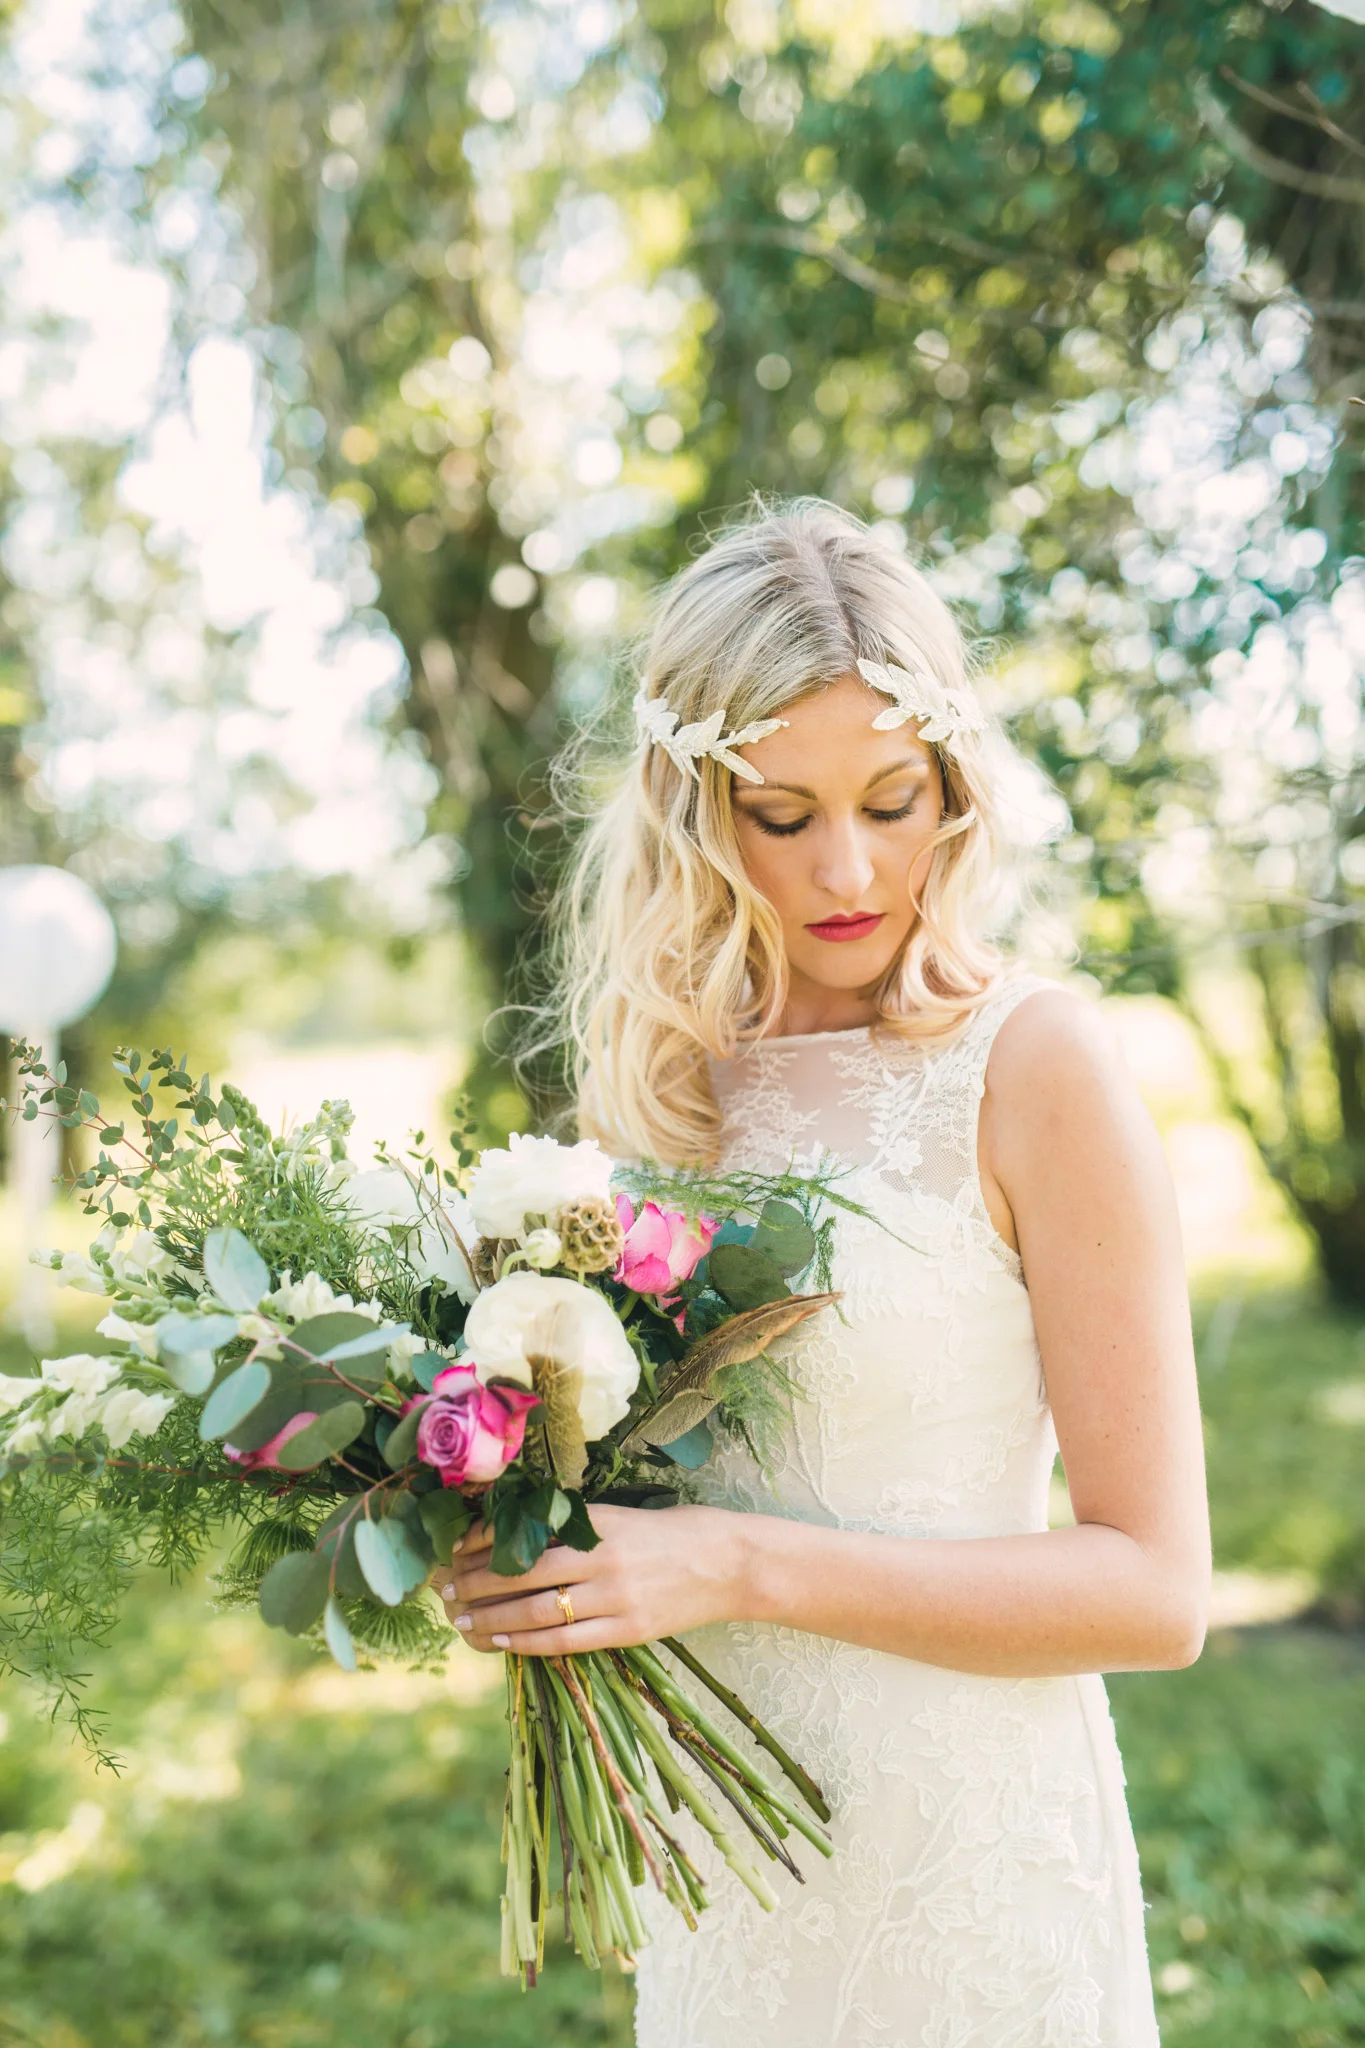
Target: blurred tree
{"type": "Point", "coordinates": [954, 280]}
{"type": "Point", "coordinates": [343, 132]}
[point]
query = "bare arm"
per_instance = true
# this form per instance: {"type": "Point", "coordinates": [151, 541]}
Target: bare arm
{"type": "Point", "coordinates": [1072, 1166]}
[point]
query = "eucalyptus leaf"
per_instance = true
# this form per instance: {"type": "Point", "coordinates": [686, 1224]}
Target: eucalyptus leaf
{"type": "Point", "coordinates": [401, 1443]}
{"type": "Point", "coordinates": [785, 1237]}
{"type": "Point", "coordinates": [294, 1388]}
{"type": "Point", "coordinates": [425, 1366]}
{"type": "Point", "coordinates": [322, 1438]}
{"type": "Point", "coordinates": [390, 1564]}
{"type": "Point", "coordinates": [233, 1399]}
{"type": "Point", "coordinates": [445, 1516]}
{"type": "Point", "coordinates": [339, 1639]}
{"type": "Point", "coordinates": [336, 1542]}
{"type": "Point", "coordinates": [358, 1345]}
{"type": "Point", "coordinates": [181, 1336]}
{"type": "Point", "coordinates": [745, 1276]}
{"type": "Point", "coordinates": [294, 1591]}
{"type": "Point", "coordinates": [234, 1270]}
{"type": "Point", "coordinates": [191, 1371]}
{"type": "Point", "coordinates": [693, 1447]}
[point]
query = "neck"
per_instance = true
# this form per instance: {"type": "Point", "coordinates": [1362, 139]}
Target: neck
{"type": "Point", "coordinates": [811, 1008]}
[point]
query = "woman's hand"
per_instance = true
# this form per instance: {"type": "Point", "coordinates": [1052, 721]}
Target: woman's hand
{"type": "Point", "coordinates": [654, 1572]}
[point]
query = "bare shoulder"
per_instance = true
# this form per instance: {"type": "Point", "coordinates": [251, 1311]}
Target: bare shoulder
{"type": "Point", "coordinates": [1057, 1088]}
{"type": "Point", "coordinates": [1054, 1038]}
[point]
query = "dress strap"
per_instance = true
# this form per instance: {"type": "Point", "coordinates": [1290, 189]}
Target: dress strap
{"type": "Point", "coordinates": [979, 1037]}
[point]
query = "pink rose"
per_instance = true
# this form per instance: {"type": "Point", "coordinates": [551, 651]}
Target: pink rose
{"type": "Point", "coordinates": [662, 1247]}
{"type": "Point", "coordinates": [267, 1459]}
{"type": "Point", "coordinates": [470, 1432]}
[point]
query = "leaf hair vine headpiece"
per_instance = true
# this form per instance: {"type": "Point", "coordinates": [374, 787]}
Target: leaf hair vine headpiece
{"type": "Point", "coordinates": [657, 724]}
{"type": "Point", "coordinates": [944, 714]}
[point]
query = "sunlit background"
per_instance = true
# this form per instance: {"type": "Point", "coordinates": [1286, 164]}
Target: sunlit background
{"type": "Point", "coordinates": [362, 370]}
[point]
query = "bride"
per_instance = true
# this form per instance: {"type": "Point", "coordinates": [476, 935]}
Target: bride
{"type": "Point", "coordinates": [775, 951]}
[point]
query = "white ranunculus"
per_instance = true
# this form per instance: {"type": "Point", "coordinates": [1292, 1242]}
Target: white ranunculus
{"type": "Point", "coordinates": [138, 1260]}
{"type": "Point", "coordinates": [14, 1391]}
{"type": "Point", "coordinates": [433, 1254]}
{"type": "Point", "coordinates": [527, 1315]}
{"type": "Point", "coordinates": [140, 1336]}
{"type": "Point", "coordinates": [128, 1412]}
{"type": "Point", "coordinates": [384, 1197]}
{"type": "Point", "coordinates": [535, 1177]}
{"type": "Point", "coordinates": [82, 1373]}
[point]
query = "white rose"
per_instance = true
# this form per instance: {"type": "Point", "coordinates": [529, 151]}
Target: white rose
{"type": "Point", "coordinates": [127, 1413]}
{"type": "Point", "coordinates": [383, 1197]}
{"type": "Point", "coordinates": [433, 1254]}
{"type": "Point", "coordinates": [81, 1374]}
{"type": "Point", "coordinates": [140, 1260]}
{"type": "Point", "coordinates": [140, 1336]}
{"type": "Point", "coordinates": [14, 1391]}
{"type": "Point", "coordinates": [534, 1177]}
{"type": "Point", "coordinates": [527, 1315]}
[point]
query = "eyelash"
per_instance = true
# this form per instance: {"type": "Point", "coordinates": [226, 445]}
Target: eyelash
{"type": "Point", "coordinates": [789, 831]}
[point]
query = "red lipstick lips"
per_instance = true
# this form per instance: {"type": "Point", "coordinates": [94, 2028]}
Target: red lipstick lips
{"type": "Point", "coordinates": [839, 929]}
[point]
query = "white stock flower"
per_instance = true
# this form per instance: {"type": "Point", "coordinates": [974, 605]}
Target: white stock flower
{"type": "Point", "coordinates": [527, 1315]}
{"type": "Point", "coordinates": [262, 1334]}
{"type": "Point", "coordinates": [300, 1299]}
{"type": "Point", "coordinates": [73, 1269]}
{"type": "Point", "coordinates": [82, 1378]}
{"type": "Point", "coordinates": [384, 1197]}
{"type": "Point", "coordinates": [535, 1177]}
{"type": "Point", "coordinates": [402, 1351]}
{"type": "Point", "coordinates": [82, 1373]}
{"type": "Point", "coordinates": [128, 1412]}
{"type": "Point", "coordinates": [138, 1336]}
{"type": "Point", "coordinates": [29, 1435]}
{"type": "Point", "coordinates": [14, 1391]}
{"type": "Point", "coordinates": [543, 1248]}
{"type": "Point", "coordinates": [433, 1253]}
{"type": "Point", "coordinates": [139, 1260]}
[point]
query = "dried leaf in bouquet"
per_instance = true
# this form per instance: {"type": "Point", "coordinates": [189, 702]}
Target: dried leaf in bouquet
{"type": "Point", "coordinates": [688, 1397]}
{"type": "Point", "coordinates": [560, 1388]}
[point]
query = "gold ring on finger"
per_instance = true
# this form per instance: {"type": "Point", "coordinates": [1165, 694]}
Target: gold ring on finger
{"type": "Point", "coordinates": [565, 1603]}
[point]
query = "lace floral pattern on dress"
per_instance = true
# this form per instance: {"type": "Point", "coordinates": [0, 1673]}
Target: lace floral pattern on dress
{"type": "Point", "coordinates": [983, 1891]}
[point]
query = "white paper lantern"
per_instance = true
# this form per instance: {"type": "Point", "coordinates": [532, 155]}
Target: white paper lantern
{"type": "Point", "coordinates": [57, 949]}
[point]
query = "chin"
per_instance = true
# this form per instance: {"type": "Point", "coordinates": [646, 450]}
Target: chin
{"type": "Point", "coordinates": [847, 967]}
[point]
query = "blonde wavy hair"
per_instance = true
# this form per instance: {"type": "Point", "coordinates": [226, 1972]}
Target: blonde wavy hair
{"type": "Point", "coordinates": [663, 954]}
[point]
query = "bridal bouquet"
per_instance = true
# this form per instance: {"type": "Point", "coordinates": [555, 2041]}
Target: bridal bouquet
{"type": "Point", "coordinates": [354, 1366]}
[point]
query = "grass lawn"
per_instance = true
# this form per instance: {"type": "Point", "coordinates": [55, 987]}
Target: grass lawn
{"type": "Point", "coordinates": [293, 1859]}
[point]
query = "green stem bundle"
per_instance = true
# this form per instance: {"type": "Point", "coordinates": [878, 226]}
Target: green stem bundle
{"type": "Point", "coordinates": [586, 1733]}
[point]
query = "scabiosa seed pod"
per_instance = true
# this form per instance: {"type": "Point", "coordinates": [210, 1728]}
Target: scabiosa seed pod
{"type": "Point", "coordinates": [486, 1256]}
{"type": "Point", "coordinates": [590, 1234]}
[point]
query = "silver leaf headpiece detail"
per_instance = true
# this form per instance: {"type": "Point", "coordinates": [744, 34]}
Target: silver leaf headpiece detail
{"type": "Point", "coordinates": [657, 724]}
{"type": "Point", "coordinates": [944, 715]}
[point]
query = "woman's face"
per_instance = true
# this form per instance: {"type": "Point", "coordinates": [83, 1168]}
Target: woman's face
{"type": "Point", "coordinates": [837, 838]}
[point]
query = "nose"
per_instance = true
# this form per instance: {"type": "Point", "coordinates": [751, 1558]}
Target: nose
{"type": "Point", "coordinates": [844, 867]}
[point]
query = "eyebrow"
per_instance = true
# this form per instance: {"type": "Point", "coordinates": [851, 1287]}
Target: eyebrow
{"type": "Point", "coordinates": [796, 789]}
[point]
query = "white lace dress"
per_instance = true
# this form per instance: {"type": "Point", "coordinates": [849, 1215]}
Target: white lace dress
{"type": "Point", "coordinates": [984, 1889]}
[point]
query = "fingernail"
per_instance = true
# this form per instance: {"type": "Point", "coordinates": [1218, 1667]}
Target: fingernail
{"type": "Point", "coordinates": [501, 1642]}
{"type": "Point", "coordinates": [458, 1544]}
{"type": "Point", "coordinates": [447, 1592]}
{"type": "Point", "coordinates": [463, 1621]}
